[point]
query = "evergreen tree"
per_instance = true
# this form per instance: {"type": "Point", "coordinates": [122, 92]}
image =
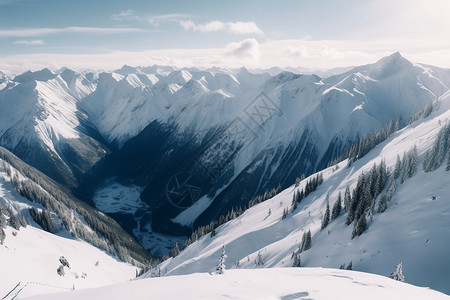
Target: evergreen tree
{"type": "Point", "coordinates": [412, 162]}
{"type": "Point", "coordinates": [221, 266]}
{"type": "Point", "coordinates": [336, 207]}
{"type": "Point", "coordinates": [320, 179]}
{"type": "Point", "coordinates": [347, 198]}
{"type": "Point", "coordinates": [237, 264]}
{"type": "Point", "coordinates": [397, 169]}
{"type": "Point", "coordinates": [326, 216]}
{"type": "Point", "coordinates": [306, 241]}
{"type": "Point", "coordinates": [352, 209]}
{"type": "Point", "coordinates": [2, 236]}
{"type": "Point", "coordinates": [43, 219]}
{"type": "Point", "coordinates": [15, 222]}
{"type": "Point", "coordinates": [60, 270]}
{"type": "Point", "coordinates": [448, 163]}
{"type": "Point", "coordinates": [175, 250]}
{"type": "Point", "coordinates": [297, 260]}
{"type": "Point", "coordinates": [350, 266]}
{"type": "Point", "coordinates": [342, 267]}
{"type": "Point", "coordinates": [382, 205]}
{"type": "Point", "coordinates": [259, 260]}
{"type": "Point", "coordinates": [2, 220]}
{"type": "Point", "coordinates": [359, 227]}
{"type": "Point", "coordinates": [398, 273]}
{"type": "Point", "coordinates": [285, 213]}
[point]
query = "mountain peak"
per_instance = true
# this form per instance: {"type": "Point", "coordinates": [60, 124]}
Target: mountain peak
{"type": "Point", "coordinates": [389, 65]}
{"type": "Point", "coordinates": [41, 75]}
{"type": "Point", "coordinates": [126, 69]}
{"type": "Point", "coordinates": [394, 58]}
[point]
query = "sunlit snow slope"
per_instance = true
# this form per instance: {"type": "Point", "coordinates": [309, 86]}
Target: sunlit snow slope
{"type": "Point", "coordinates": [30, 256]}
{"type": "Point", "coordinates": [282, 284]}
{"type": "Point", "coordinates": [414, 229]}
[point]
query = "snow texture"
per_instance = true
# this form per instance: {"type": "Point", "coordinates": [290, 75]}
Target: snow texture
{"type": "Point", "coordinates": [276, 283]}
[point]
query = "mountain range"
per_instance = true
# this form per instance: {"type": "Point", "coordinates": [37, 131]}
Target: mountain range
{"type": "Point", "coordinates": [111, 170]}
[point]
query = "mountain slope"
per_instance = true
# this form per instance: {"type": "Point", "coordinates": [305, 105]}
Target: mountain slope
{"type": "Point", "coordinates": [30, 256]}
{"type": "Point", "coordinates": [413, 229]}
{"type": "Point", "coordinates": [41, 123]}
{"type": "Point", "coordinates": [237, 134]}
{"type": "Point", "coordinates": [305, 283]}
{"type": "Point", "coordinates": [257, 141]}
{"type": "Point", "coordinates": [64, 215]}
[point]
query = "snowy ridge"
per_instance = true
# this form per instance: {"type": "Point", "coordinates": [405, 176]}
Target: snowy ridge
{"type": "Point", "coordinates": [414, 228]}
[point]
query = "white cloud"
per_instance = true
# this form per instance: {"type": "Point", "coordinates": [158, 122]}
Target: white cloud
{"type": "Point", "coordinates": [156, 20]}
{"type": "Point", "coordinates": [131, 15]}
{"type": "Point", "coordinates": [238, 28]}
{"type": "Point", "coordinates": [29, 42]}
{"type": "Point", "coordinates": [27, 32]}
{"type": "Point", "coordinates": [125, 15]}
{"type": "Point", "coordinates": [248, 48]}
{"type": "Point", "coordinates": [300, 53]}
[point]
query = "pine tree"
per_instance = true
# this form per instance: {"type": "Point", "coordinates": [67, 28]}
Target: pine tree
{"type": "Point", "coordinates": [347, 198]}
{"type": "Point", "coordinates": [352, 209]}
{"type": "Point", "coordinates": [448, 163]}
{"type": "Point", "coordinates": [259, 260]}
{"type": "Point", "coordinates": [2, 236]}
{"type": "Point", "coordinates": [237, 264]}
{"type": "Point", "coordinates": [350, 266]}
{"type": "Point", "coordinates": [326, 217]}
{"type": "Point", "coordinates": [397, 169]}
{"type": "Point", "coordinates": [336, 207]}
{"type": "Point", "coordinates": [221, 266]}
{"type": "Point", "coordinates": [285, 213]}
{"type": "Point", "coordinates": [382, 205]}
{"type": "Point", "coordinates": [359, 227]}
{"type": "Point", "coordinates": [2, 220]}
{"type": "Point", "coordinates": [398, 273]}
{"type": "Point", "coordinates": [306, 241]}
{"type": "Point", "coordinates": [297, 260]}
{"type": "Point", "coordinates": [175, 250]}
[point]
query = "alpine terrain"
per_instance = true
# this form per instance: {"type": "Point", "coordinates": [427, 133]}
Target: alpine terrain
{"type": "Point", "coordinates": [220, 180]}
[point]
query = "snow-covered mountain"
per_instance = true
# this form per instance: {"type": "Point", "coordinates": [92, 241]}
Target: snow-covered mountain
{"type": "Point", "coordinates": [236, 134]}
{"type": "Point", "coordinates": [40, 222]}
{"type": "Point", "coordinates": [41, 123]}
{"type": "Point", "coordinates": [407, 220]}
{"type": "Point", "coordinates": [163, 150]}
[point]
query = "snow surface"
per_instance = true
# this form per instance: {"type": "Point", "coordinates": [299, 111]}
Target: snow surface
{"type": "Point", "coordinates": [31, 255]}
{"type": "Point", "coordinates": [414, 229]}
{"type": "Point", "coordinates": [276, 283]}
{"type": "Point", "coordinates": [118, 198]}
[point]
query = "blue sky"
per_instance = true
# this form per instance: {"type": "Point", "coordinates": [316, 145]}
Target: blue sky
{"type": "Point", "coordinates": [317, 34]}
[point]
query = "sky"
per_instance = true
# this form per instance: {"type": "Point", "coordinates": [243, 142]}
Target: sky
{"type": "Point", "coordinates": [316, 35]}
